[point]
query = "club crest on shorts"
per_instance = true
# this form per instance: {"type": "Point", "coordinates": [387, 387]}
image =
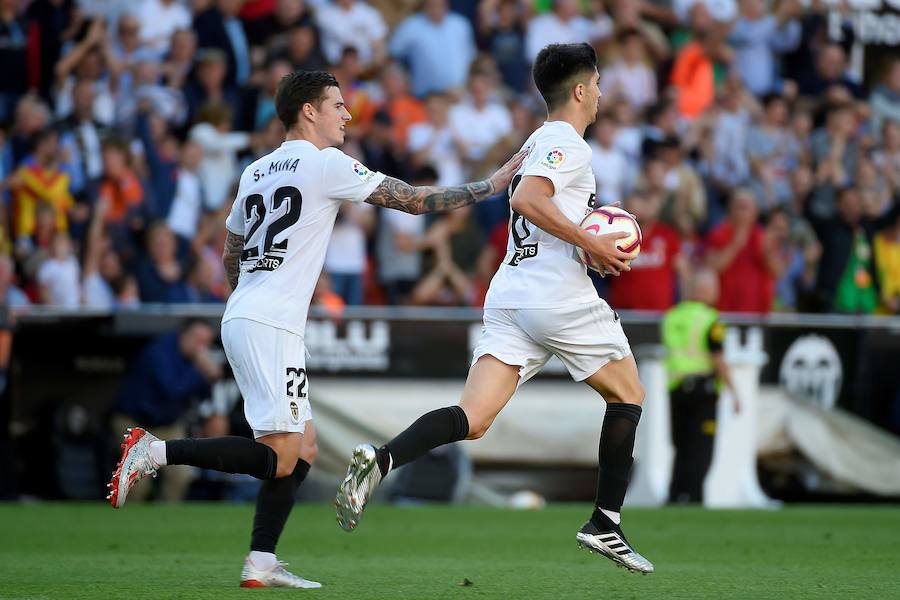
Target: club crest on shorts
{"type": "Point", "coordinates": [295, 412]}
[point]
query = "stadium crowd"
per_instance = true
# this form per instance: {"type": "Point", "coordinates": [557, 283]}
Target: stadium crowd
{"type": "Point", "coordinates": [733, 130]}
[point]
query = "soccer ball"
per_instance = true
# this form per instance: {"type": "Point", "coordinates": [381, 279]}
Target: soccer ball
{"type": "Point", "coordinates": [611, 219]}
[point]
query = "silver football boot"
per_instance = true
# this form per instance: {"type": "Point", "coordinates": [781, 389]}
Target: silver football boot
{"type": "Point", "coordinates": [363, 477]}
{"type": "Point", "coordinates": [135, 464]}
{"type": "Point", "coordinates": [613, 545]}
{"type": "Point", "coordinates": [277, 576]}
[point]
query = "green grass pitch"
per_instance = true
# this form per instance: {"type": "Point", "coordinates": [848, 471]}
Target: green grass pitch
{"type": "Point", "coordinates": [196, 551]}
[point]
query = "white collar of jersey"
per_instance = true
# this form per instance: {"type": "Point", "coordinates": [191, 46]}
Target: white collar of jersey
{"type": "Point", "coordinates": [295, 144]}
{"type": "Point", "coordinates": [561, 124]}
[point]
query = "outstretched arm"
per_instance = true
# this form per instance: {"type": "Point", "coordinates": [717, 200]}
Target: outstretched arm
{"type": "Point", "coordinates": [231, 258]}
{"type": "Point", "coordinates": [397, 194]}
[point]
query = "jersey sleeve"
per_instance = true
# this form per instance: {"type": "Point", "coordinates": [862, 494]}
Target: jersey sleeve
{"type": "Point", "coordinates": [234, 222]}
{"type": "Point", "coordinates": [559, 160]}
{"type": "Point", "coordinates": [348, 179]}
{"type": "Point", "coordinates": [715, 337]}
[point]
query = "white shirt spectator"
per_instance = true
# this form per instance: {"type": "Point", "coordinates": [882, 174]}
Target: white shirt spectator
{"type": "Point", "coordinates": [636, 83]}
{"type": "Point", "coordinates": [443, 154]}
{"type": "Point", "coordinates": [61, 279]}
{"type": "Point", "coordinates": [480, 129]}
{"type": "Point", "coordinates": [394, 264]}
{"type": "Point", "coordinates": [184, 215]}
{"type": "Point", "coordinates": [360, 27]}
{"type": "Point", "coordinates": [721, 10]}
{"type": "Point", "coordinates": [159, 20]}
{"type": "Point", "coordinates": [219, 168]}
{"type": "Point", "coordinates": [346, 253]}
{"type": "Point", "coordinates": [611, 169]}
{"type": "Point", "coordinates": [104, 102]}
{"type": "Point", "coordinates": [549, 29]}
{"type": "Point", "coordinates": [97, 293]}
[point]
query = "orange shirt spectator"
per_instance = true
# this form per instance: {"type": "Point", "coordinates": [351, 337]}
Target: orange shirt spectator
{"type": "Point", "coordinates": [694, 78]}
{"type": "Point", "coordinates": [122, 195]}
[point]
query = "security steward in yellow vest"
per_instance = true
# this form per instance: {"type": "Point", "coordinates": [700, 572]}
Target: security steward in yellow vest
{"type": "Point", "coordinates": [693, 336]}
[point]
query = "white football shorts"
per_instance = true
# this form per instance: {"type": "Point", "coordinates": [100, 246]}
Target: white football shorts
{"type": "Point", "coordinates": [269, 366]}
{"type": "Point", "coordinates": [584, 337]}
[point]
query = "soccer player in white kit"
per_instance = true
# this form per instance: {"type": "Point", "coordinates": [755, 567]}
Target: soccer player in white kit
{"type": "Point", "coordinates": [541, 303]}
{"type": "Point", "coordinates": [278, 232]}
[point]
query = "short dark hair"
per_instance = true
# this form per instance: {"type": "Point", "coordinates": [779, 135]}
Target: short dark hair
{"type": "Point", "coordinates": [556, 68]}
{"type": "Point", "coordinates": [298, 88]}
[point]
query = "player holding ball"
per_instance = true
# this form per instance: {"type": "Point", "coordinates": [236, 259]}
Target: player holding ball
{"type": "Point", "coordinates": [542, 303]}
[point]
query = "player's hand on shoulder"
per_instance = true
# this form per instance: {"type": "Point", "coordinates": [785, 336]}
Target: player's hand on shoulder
{"type": "Point", "coordinates": [604, 251]}
{"type": "Point", "coordinates": [501, 178]}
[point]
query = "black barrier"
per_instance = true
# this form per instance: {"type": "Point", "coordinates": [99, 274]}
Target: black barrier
{"type": "Point", "coordinates": [80, 358]}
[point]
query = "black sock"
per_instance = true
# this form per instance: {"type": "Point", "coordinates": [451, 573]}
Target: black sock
{"type": "Point", "coordinates": [273, 506]}
{"type": "Point", "coordinates": [439, 427]}
{"type": "Point", "coordinates": [230, 454]}
{"type": "Point", "coordinates": [616, 448]}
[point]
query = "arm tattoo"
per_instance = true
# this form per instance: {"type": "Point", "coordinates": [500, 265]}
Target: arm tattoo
{"type": "Point", "coordinates": [393, 193]}
{"type": "Point", "coordinates": [231, 258]}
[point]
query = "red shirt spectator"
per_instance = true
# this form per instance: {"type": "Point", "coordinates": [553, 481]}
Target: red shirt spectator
{"type": "Point", "coordinates": [650, 284]}
{"type": "Point", "coordinates": [736, 249]}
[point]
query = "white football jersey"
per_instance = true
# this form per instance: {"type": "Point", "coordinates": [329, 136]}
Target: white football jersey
{"type": "Point", "coordinates": [540, 270]}
{"type": "Point", "coordinates": [285, 209]}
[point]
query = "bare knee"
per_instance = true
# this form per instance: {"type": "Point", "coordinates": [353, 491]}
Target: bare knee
{"type": "Point", "coordinates": [308, 452]}
{"type": "Point", "coordinates": [287, 462]}
{"type": "Point", "coordinates": [478, 428]}
{"type": "Point", "coordinates": [633, 395]}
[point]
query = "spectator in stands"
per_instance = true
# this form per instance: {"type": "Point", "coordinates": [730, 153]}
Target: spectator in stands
{"type": "Point", "coordinates": [887, 265]}
{"type": "Point", "coordinates": [14, 31]}
{"type": "Point", "coordinates": [183, 217]}
{"type": "Point", "coordinates": [260, 103]}
{"type": "Point", "coordinates": [219, 27]}
{"type": "Point", "coordinates": [457, 276]}
{"type": "Point", "coordinates": [773, 152]}
{"type": "Point", "coordinates": [380, 151]}
{"type": "Point", "coordinates": [352, 24]}
{"type": "Point", "coordinates": [885, 100]}
{"type": "Point", "coordinates": [122, 191]}
{"type": "Point", "coordinates": [210, 86]}
{"type": "Point", "coordinates": [219, 167]}
{"type": "Point", "coordinates": [404, 109]}
{"type": "Point", "coordinates": [422, 41]}
{"type": "Point", "coordinates": [693, 76]}
{"type": "Point", "coordinates": [435, 142]}
{"type": "Point", "coordinates": [180, 59]}
{"type": "Point", "coordinates": [399, 243]}
{"type": "Point", "coordinates": [160, 275]}
{"type": "Point", "coordinates": [653, 280]}
{"type": "Point", "coordinates": [169, 373]}
{"type": "Point", "coordinates": [200, 284]}
{"type": "Point", "coordinates": [104, 282]}
{"type": "Point", "coordinates": [502, 34]}
{"type": "Point", "coordinates": [159, 20]}
{"type": "Point", "coordinates": [324, 297]}
{"type": "Point", "coordinates": [345, 260]}
{"type": "Point", "coordinates": [32, 116]}
{"type": "Point", "coordinates": [128, 48]}
{"type": "Point", "coordinates": [146, 85]}
{"type": "Point", "coordinates": [356, 99]}
{"type": "Point", "coordinates": [300, 48]}
{"type": "Point", "coordinates": [564, 25]}
{"type": "Point", "coordinates": [59, 275]}
{"type": "Point", "coordinates": [40, 180]}
{"type": "Point", "coordinates": [12, 298]}
{"type": "Point", "coordinates": [610, 164]}
{"type": "Point", "coordinates": [273, 28]}
{"type": "Point", "coordinates": [57, 24]}
{"type": "Point", "coordinates": [747, 260]}
{"type": "Point", "coordinates": [81, 137]}
{"type": "Point", "coordinates": [758, 37]}
{"type": "Point", "coordinates": [90, 59]}
{"type": "Point", "coordinates": [480, 120]}
{"type": "Point", "coordinates": [834, 153]}
{"type": "Point", "coordinates": [630, 77]}
{"type": "Point", "coordinates": [685, 194]}
{"type": "Point", "coordinates": [830, 69]}
{"type": "Point", "coordinates": [846, 278]}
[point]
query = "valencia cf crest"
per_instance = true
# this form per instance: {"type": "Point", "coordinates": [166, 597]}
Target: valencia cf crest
{"type": "Point", "coordinates": [295, 412]}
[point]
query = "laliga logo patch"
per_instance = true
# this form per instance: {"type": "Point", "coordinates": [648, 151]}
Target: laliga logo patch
{"type": "Point", "coordinates": [295, 412]}
{"type": "Point", "coordinates": [361, 171]}
{"type": "Point", "coordinates": [554, 158]}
